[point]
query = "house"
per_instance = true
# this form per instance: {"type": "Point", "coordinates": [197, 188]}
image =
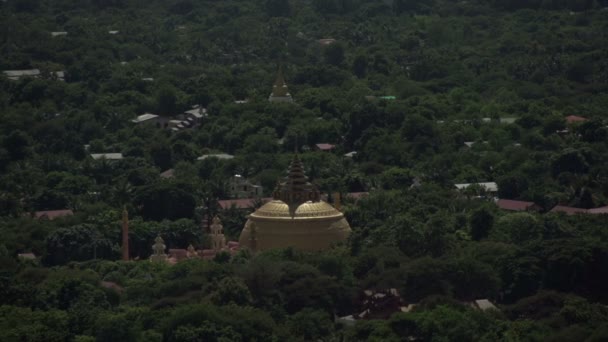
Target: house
{"type": "Point", "coordinates": [240, 187]}
{"type": "Point", "coordinates": [52, 214]}
{"type": "Point", "coordinates": [15, 75]}
{"type": "Point", "coordinates": [113, 32]}
{"type": "Point", "coordinates": [512, 205]}
{"type": "Point", "coordinates": [570, 119]}
{"type": "Point", "coordinates": [107, 156]}
{"type": "Point", "coordinates": [26, 256]}
{"type": "Point", "coordinates": [242, 203]}
{"type": "Point", "coordinates": [598, 211]}
{"type": "Point", "coordinates": [59, 33]}
{"type": "Point", "coordinates": [490, 187]}
{"type": "Point", "coordinates": [197, 112]}
{"type": "Point", "coordinates": [224, 156]}
{"type": "Point", "coordinates": [326, 41]}
{"type": "Point", "coordinates": [351, 154]}
{"type": "Point", "coordinates": [572, 210]}
{"type": "Point", "coordinates": [146, 118]}
{"type": "Point", "coordinates": [325, 147]}
{"type": "Point", "coordinates": [167, 174]}
{"type": "Point", "coordinates": [357, 195]}
{"type": "Point", "coordinates": [112, 286]}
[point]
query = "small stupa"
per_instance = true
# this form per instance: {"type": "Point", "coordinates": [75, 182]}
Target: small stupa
{"type": "Point", "coordinates": [159, 250]}
{"type": "Point", "coordinates": [280, 93]}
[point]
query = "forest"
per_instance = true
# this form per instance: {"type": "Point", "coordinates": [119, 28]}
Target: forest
{"type": "Point", "coordinates": [428, 93]}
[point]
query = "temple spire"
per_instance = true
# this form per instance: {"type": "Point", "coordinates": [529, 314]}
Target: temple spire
{"type": "Point", "coordinates": [280, 93]}
{"type": "Point", "coordinates": [295, 188]}
{"type": "Point", "coordinates": [125, 234]}
{"type": "Point", "coordinates": [159, 250]}
{"type": "Point", "coordinates": [218, 240]}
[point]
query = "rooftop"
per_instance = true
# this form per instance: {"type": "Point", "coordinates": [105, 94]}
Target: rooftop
{"type": "Point", "coordinates": [490, 186]}
{"type": "Point", "coordinates": [53, 214]}
{"type": "Point", "coordinates": [242, 203]}
{"type": "Point", "coordinates": [108, 156]}
{"type": "Point", "coordinates": [144, 117]}
{"type": "Point", "coordinates": [507, 204]}
{"type": "Point", "coordinates": [325, 147]}
{"type": "Point", "coordinates": [216, 155]}
{"type": "Point", "coordinates": [574, 118]}
{"type": "Point", "coordinates": [16, 74]}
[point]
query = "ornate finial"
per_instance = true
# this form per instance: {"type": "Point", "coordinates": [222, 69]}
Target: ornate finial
{"type": "Point", "coordinates": [280, 92]}
{"type": "Point", "coordinates": [218, 239]}
{"type": "Point", "coordinates": [159, 250]}
{"type": "Point", "coordinates": [295, 188]}
{"type": "Point", "coordinates": [159, 246]}
{"type": "Point", "coordinates": [191, 252]}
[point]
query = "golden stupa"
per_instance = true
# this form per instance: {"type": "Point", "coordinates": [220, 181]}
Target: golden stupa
{"type": "Point", "coordinates": [296, 217]}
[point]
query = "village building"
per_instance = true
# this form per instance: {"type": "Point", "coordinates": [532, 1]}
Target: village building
{"type": "Point", "coordinates": [296, 217]}
{"type": "Point", "coordinates": [572, 210]}
{"type": "Point", "coordinates": [218, 245]}
{"type": "Point", "coordinates": [59, 33]}
{"type": "Point", "coordinates": [15, 75]}
{"type": "Point", "coordinates": [52, 214]}
{"type": "Point", "coordinates": [240, 187]}
{"type": "Point", "coordinates": [325, 147]}
{"type": "Point", "coordinates": [571, 119]}
{"type": "Point", "coordinates": [107, 156]}
{"type": "Point", "coordinates": [512, 205]}
{"type": "Point", "coordinates": [490, 188]}
{"type": "Point", "coordinates": [223, 156]}
{"type": "Point", "coordinates": [167, 174]}
{"type": "Point", "coordinates": [326, 41]}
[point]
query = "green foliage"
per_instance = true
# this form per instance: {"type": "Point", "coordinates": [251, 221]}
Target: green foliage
{"type": "Point", "coordinates": [500, 74]}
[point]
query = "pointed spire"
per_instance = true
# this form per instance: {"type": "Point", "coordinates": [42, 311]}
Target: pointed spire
{"type": "Point", "coordinates": [280, 93]}
{"type": "Point", "coordinates": [159, 250]}
{"type": "Point", "coordinates": [295, 188]}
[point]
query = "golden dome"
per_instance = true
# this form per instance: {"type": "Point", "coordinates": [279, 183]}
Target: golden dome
{"type": "Point", "coordinates": [279, 209]}
{"type": "Point", "coordinates": [295, 218]}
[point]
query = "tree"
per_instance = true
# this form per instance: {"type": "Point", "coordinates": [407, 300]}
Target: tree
{"type": "Point", "coordinates": [77, 243]}
{"type": "Point", "coordinates": [18, 145]}
{"type": "Point", "coordinates": [231, 290]}
{"type": "Point", "coordinates": [278, 8]}
{"type": "Point", "coordinates": [334, 54]}
{"type": "Point", "coordinates": [360, 66]}
{"type": "Point", "coordinates": [165, 201]}
{"type": "Point", "coordinates": [311, 324]}
{"type": "Point", "coordinates": [166, 100]}
{"type": "Point", "coordinates": [481, 222]}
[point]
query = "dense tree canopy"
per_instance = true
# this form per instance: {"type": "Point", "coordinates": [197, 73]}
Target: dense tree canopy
{"type": "Point", "coordinates": [415, 96]}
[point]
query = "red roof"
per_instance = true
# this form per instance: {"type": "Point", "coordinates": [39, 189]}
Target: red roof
{"type": "Point", "coordinates": [514, 205]}
{"type": "Point", "coordinates": [568, 210]}
{"type": "Point", "coordinates": [600, 210]}
{"type": "Point", "coordinates": [167, 174]}
{"type": "Point", "coordinates": [112, 286]}
{"type": "Point", "coordinates": [325, 147]}
{"type": "Point", "coordinates": [53, 214]}
{"type": "Point", "coordinates": [574, 118]}
{"type": "Point", "coordinates": [241, 203]}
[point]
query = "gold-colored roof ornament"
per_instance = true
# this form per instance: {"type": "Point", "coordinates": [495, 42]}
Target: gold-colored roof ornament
{"type": "Point", "coordinates": [295, 189]}
{"type": "Point", "coordinates": [296, 217]}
